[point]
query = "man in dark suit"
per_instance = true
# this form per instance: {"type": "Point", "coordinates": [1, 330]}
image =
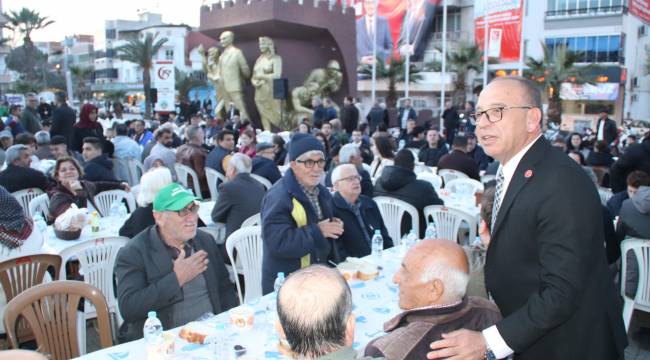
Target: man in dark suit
{"type": "Point", "coordinates": [240, 197]}
{"type": "Point", "coordinates": [351, 154]}
{"type": "Point", "coordinates": [365, 26]}
{"type": "Point", "coordinates": [171, 268]}
{"type": "Point", "coordinates": [232, 112]}
{"type": "Point", "coordinates": [458, 159]}
{"type": "Point", "coordinates": [605, 128]}
{"type": "Point", "coordinates": [264, 164]}
{"type": "Point", "coordinates": [63, 119]}
{"type": "Point", "coordinates": [377, 116]}
{"type": "Point", "coordinates": [349, 115]}
{"type": "Point", "coordinates": [546, 267]}
{"type": "Point", "coordinates": [451, 121]}
{"type": "Point", "coordinates": [406, 113]}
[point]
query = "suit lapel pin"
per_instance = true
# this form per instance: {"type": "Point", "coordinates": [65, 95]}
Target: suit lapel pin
{"type": "Point", "coordinates": [528, 173]}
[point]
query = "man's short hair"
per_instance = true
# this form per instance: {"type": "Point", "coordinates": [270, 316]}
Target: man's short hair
{"type": "Point", "coordinates": [60, 97]}
{"type": "Point", "coordinates": [142, 122]}
{"type": "Point", "coordinates": [404, 159]}
{"type": "Point", "coordinates": [42, 137]}
{"type": "Point", "coordinates": [455, 280]}
{"type": "Point", "coordinates": [347, 151]}
{"type": "Point", "coordinates": [531, 90]}
{"type": "Point", "coordinates": [94, 142]}
{"type": "Point", "coordinates": [25, 139]}
{"type": "Point", "coordinates": [192, 131]}
{"type": "Point", "coordinates": [14, 152]}
{"type": "Point", "coordinates": [241, 162]}
{"type": "Point", "coordinates": [638, 178]}
{"type": "Point", "coordinates": [162, 131]}
{"type": "Point", "coordinates": [121, 129]}
{"type": "Point", "coordinates": [601, 146]}
{"type": "Point", "coordinates": [460, 142]}
{"type": "Point", "coordinates": [314, 305]}
{"type": "Point", "coordinates": [417, 130]}
{"type": "Point", "coordinates": [13, 108]}
{"type": "Point", "coordinates": [58, 140]}
{"type": "Point", "coordinates": [222, 134]}
{"type": "Point", "coordinates": [336, 173]}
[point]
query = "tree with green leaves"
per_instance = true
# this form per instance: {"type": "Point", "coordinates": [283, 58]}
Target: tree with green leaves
{"type": "Point", "coordinates": [553, 69]}
{"type": "Point", "coordinates": [81, 79]}
{"type": "Point", "coordinates": [185, 83]}
{"type": "Point", "coordinates": [468, 57]}
{"type": "Point", "coordinates": [394, 72]}
{"type": "Point", "coordinates": [142, 52]}
{"type": "Point", "coordinates": [26, 21]}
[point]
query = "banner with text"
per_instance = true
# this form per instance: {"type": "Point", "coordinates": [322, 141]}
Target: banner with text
{"type": "Point", "coordinates": [640, 9]}
{"type": "Point", "coordinates": [164, 81]}
{"type": "Point", "coordinates": [504, 27]}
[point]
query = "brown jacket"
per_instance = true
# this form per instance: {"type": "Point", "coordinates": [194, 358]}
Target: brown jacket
{"type": "Point", "coordinates": [411, 332]}
{"type": "Point", "coordinates": [194, 156]}
{"type": "Point", "coordinates": [61, 198]}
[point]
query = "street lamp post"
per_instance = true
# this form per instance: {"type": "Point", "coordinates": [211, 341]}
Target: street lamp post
{"type": "Point", "coordinates": [67, 43]}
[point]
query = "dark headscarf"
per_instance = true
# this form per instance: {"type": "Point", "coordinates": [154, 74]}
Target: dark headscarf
{"type": "Point", "coordinates": [15, 227]}
{"type": "Point", "coordinates": [84, 118]}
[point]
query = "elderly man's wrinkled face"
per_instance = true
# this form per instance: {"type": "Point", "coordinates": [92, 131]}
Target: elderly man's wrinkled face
{"type": "Point", "coordinates": [349, 185]}
{"type": "Point", "coordinates": [24, 160]}
{"type": "Point", "coordinates": [412, 291]}
{"type": "Point", "coordinates": [59, 150]}
{"type": "Point", "coordinates": [309, 169]}
{"type": "Point", "coordinates": [181, 223]}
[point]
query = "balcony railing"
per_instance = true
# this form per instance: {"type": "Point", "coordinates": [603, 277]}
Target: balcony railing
{"type": "Point", "coordinates": [603, 10]}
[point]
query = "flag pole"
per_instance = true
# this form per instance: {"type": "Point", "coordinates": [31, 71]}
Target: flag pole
{"type": "Point", "coordinates": [485, 45]}
{"type": "Point", "coordinates": [374, 54]}
{"type": "Point", "coordinates": [444, 60]}
{"type": "Point", "coordinates": [521, 40]}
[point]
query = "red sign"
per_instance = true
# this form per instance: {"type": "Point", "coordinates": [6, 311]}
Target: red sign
{"type": "Point", "coordinates": [504, 27]}
{"type": "Point", "coordinates": [640, 9]}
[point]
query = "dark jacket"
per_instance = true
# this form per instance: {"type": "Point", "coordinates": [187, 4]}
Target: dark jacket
{"type": "Point", "coordinates": [350, 118]}
{"type": "Point", "coordinates": [63, 119]}
{"type": "Point", "coordinates": [195, 157]}
{"type": "Point", "coordinates": [411, 115]}
{"type": "Point", "coordinates": [290, 230]}
{"type": "Point", "coordinates": [451, 122]}
{"type": "Point", "coordinates": [609, 130]}
{"type": "Point", "coordinates": [549, 276]}
{"type": "Point", "coordinates": [635, 157]}
{"type": "Point", "coordinates": [481, 159]}
{"type": "Point", "coordinates": [319, 116]}
{"type": "Point", "coordinates": [411, 332]}
{"type": "Point", "coordinates": [431, 156]}
{"type": "Point", "coordinates": [280, 157]}
{"type": "Point", "coordinates": [15, 178]}
{"type": "Point", "coordinates": [614, 203]}
{"type": "Point", "coordinates": [215, 158]}
{"type": "Point", "coordinates": [146, 281]}
{"type": "Point", "coordinates": [599, 159]}
{"type": "Point", "coordinates": [460, 161]}
{"type": "Point", "coordinates": [31, 120]}
{"type": "Point", "coordinates": [376, 116]}
{"type": "Point", "coordinates": [635, 214]}
{"type": "Point", "coordinates": [99, 169]}
{"type": "Point", "coordinates": [139, 220]}
{"type": "Point", "coordinates": [239, 199]}
{"type": "Point", "coordinates": [352, 242]}
{"type": "Point", "coordinates": [266, 168]}
{"type": "Point", "coordinates": [61, 198]}
{"type": "Point", "coordinates": [402, 184]}
{"type": "Point", "coordinates": [367, 188]}
{"type": "Point", "coordinates": [79, 134]}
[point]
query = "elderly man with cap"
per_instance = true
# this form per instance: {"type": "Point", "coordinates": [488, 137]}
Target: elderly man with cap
{"type": "Point", "coordinates": [264, 164]}
{"type": "Point", "coordinates": [298, 226]}
{"type": "Point", "coordinates": [171, 268]}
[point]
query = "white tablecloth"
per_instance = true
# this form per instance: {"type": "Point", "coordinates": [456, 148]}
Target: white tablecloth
{"type": "Point", "coordinates": [108, 226]}
{"type": "Point", "coordinates": [463, 203]}
{"type": "Point", "coordinates": [375, 302]}
{"type": "Point", "coordinates": [205, 212]}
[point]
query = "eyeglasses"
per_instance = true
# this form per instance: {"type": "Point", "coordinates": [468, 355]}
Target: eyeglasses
{"type": "Point", "coordinates": [310, 163]}
{"type": "Point", "coordinates": [351, 178]}
{"type": "Point", "coordinates": [494, 114]}
{"type": "Point", "coordinates": [193, 209]}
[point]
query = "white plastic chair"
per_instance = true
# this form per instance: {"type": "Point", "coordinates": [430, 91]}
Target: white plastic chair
{"type": "Point", "coordinates": [421, 168]}
{"type": "Point", "coordinates": [105, 200]}
{"type": "Point", "coordinates": [487, 178]}
{"type": "Point", "coordinates": [136, 170]}
{"type": "Point", "coordinates": [464, 186]}
{"type": "Point", "coordinates": [267, 184]}
{"type": "Point", "coordinates": [641, 250]}
{"type": "Point", "coordinates": [182, 172]}
{"type": "Point", "coordinates": [96, 262]}
{"type": "Point", "coordinates": [449, 175]}
{"type": "Point", "coordinates": [248, 243]}
{"type": "Point", "coordinates": [392, 211]}
{"type": "Point", "coordinates": [432, 178]}
{"type": "Point", "coordinates": [283, 169]}
{"type": "Point", "coordinates": [213, 177]}
{"type": "Point", "coordinates": [366, 167]}
{"type": "Point", "coordinates": [448, 221]}
{"type": "Point", "coordinates": [605, 194]}
{"type": "Point", "coordinates": [25, 196]}
{"type": "Point", "coordinates": [253, 220]}
{"type": "Point", "coordinates": [40, 205]}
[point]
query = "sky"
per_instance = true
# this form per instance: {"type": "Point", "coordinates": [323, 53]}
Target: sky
{"type": "Point", "coordinates": [87, 16]}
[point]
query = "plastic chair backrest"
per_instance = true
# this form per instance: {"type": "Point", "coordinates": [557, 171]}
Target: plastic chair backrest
{"type": "Point", "coordinates": [267, 184]}
{"type": "Point", "coordinates": [448, 221]}
{"type": "Point", "coordinates": [432, 178]}
{"type": "Point", "coordinates": [182, 172]}
{"type": "Point", "coordinates": [105, 199]}
{"type": "Point", "coordinates": [253, 220]}
{"type": "Point", "coordinates": [51, 311]}
{"type": "Point", "coordinates": [449, 175]}
{"type": "Point", "coordinates": [40, 205]}
{"type": "Point", "coordinates": [25, 196]}
{"type": "Point", "coordinates": [136, 170]}
{"type": "Point", "coordinates": [605, 194]}
{"type": "Point", "coordinates": [641, 250]}
{"type": "Point", "coordinates": [213, 177]}
{"type": "Point", "coordinates": [392, 211]}
{"type": "Point", "coordinates": [248, 243]}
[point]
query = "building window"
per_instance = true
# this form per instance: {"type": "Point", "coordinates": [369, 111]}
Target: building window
{"type": "Point", "coordinates": [111, 34]}
{"type": "Point", "coordinates": [582, 7]}
{"type": "Point", "coordinates": [169, 54]}
{"type": "Point", "coordinates": [590, 49]}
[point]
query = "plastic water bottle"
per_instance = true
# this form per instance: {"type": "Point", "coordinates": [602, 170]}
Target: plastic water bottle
{"type": "Point", "coordinates": [430, 232]}
{"type": "Point", "coordinates": [412, 238]}
{"type": "Point", "coordinates": [401, 145]}
{"type": "Point", "coordinates": [377, 243]}
{"type": "Point", "coordinates": [40, 223]}
{"type": "Point", "coordinates": [94, 222]}
{"type": "Point", "coordinates": [153, 338]}
{"type": "Point", "coordinates": [219, 343]}
{"type": "Point", "coordinates": [114, 212]}
{"type": "Point", "coordinates": [122, 212]}
{"type": "Point", "coordinates": [279, 281]}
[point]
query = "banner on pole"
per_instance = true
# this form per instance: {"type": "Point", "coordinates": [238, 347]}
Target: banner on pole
{"type": "Point", "coordinates": [504, 27]}
{"type": "Point", "coordinates": [165, 82]}
{"type": "Point", "coordinates": [640, 9]}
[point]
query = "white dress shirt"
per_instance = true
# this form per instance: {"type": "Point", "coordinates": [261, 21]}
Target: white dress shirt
{"type": "Point", "coordinates": [492, 337]}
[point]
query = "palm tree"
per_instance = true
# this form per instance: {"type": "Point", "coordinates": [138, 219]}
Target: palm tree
{"type": "Point", "coordinates": [394, 72]}
{"type": "Point", "coordinates": [142, 52]}
{"type": "Point", "coordinates": [25, 21]}
{"type": "Point", "coordinates": [555, 68]}
{"type": "Point", "coordinates": [80, 76]}
{"type": "Point", "coordinates": [185, 83]}
{"type": "Point", "coordinates": [467, 57]}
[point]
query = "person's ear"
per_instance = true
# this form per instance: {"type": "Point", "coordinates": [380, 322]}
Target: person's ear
{"type": "Point", "coordinates": [279, 329]}
{"type": "Point", "coordinates": [350, 324]}
{"type": "Point", "coordinates": [435, 289]}
{"type": "Point", "coordinates": [533, 119]}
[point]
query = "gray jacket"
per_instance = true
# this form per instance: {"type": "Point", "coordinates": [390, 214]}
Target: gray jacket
{"type": "Point", "coordinates": [238, 200]}
{"type": "Point", "coordinates": [346, 353]}
{"type": "Point", "coordinates": [30, 120]}
{"type": "Point", "coordinates": [635, 213]}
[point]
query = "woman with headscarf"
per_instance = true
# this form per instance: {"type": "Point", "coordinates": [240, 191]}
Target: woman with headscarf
{"type": "Point", "coordinates": [88, 126]}
{"type": "Point", "coordinates": [17, 233]}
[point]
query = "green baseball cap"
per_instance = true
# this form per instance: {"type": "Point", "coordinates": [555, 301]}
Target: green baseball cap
{"type": "Point", "coordinates": [173, 197]}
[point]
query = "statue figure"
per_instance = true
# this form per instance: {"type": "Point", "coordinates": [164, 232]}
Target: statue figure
{"type": "Point", "coordinates": [320, 82]}
{"type": "Point", "coordinates": [230, 72]}
{"type": "Point", "coordinates": [211, 69]}
{"type": "Point", "coordinates": [301, 98]}
{"type": "Point", "coordinates": [268, 66]}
